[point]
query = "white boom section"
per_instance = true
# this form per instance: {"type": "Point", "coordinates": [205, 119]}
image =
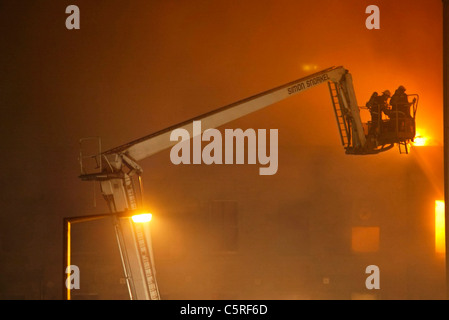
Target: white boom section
{"type": "Point", "coordinates": [156, 142]}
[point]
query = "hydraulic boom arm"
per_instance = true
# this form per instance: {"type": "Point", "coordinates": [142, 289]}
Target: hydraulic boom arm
{"type": "Point", "coordinates": [156, 142]}
{"type": "Point", "coordinates": [117, 166]}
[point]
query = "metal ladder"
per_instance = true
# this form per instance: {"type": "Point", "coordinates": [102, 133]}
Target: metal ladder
{"type": "Point", "coordinates": [343, 127]}
{"type": "Point", "coordinates": [143, 247]}
{"type": "Point", "coordinates": [147, 264]}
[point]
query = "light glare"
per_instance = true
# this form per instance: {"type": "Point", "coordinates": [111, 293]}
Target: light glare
{"type": "Point", "coordinates": [141, 218]}
{"type": "Point", "coordinates": [420, 141]}
{"type": "Point", "coordinates": [440, 243]}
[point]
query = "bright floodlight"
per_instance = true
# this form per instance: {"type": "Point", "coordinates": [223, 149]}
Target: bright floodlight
{"type": "Point", "coordinates": [140, 218]}
{"type": "Point", "coordinates": [420, 140]}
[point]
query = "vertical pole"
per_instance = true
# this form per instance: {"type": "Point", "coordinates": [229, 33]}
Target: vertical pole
{"type": "Point", "coordinates": [446, 131]}
{"type": "Point", "coordinates": [66, 258]}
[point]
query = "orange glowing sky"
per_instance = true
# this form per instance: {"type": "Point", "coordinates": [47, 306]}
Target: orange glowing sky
{"type": "Point", "coordinates": [138, 67]}
{"type": "Point", "coordinates": [192, 57]}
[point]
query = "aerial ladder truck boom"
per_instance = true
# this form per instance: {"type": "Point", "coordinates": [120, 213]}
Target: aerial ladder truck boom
{"type": "Point", "coordinates": [117, 167]}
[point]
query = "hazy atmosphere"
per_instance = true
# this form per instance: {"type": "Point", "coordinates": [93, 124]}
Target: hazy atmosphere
{"type": "Point", "coordinates": [137, 67]}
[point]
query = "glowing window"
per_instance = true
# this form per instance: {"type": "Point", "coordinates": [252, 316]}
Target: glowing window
{"type": "Point", "coordinates": [365, 239]}
{"type": "Point", "coordinates": [440, 243]}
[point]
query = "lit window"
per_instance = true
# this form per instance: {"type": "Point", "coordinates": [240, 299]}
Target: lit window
{"type": "Point", "coordinates": [440, 243]}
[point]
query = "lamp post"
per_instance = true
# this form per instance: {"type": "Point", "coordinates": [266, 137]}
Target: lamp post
{"type": "Point", "coordinates": [136, 217]}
